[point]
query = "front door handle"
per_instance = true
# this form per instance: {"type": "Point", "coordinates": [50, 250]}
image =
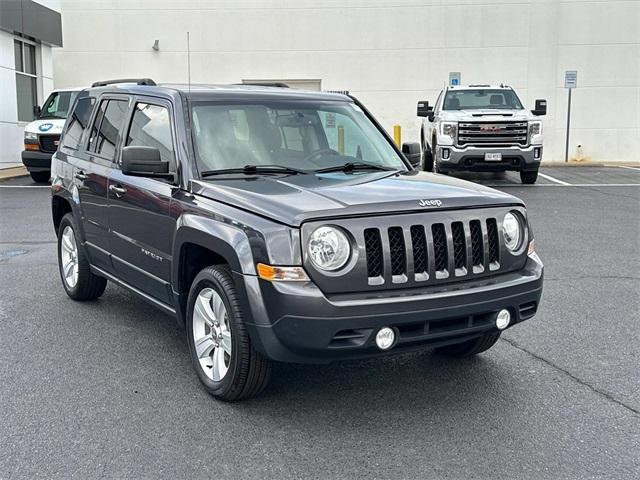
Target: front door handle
{"type": "Point", "coordinates": [118, 191]}
{"type": "Point", "coordinates": [81, 176]}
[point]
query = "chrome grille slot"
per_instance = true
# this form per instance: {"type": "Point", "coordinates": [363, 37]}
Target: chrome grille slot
{"type": "Point", "coordinates": [477, 246]}
{"type": "Point", "coordinates": [440, 249]}
{"type": "Point", "coordinates": [373, 247]}
{"type": "Point", "coordinates": [493, 133]}
{"type": "Point", "coordinates": [397, 254]}
{"type": "Point", "coordinates": [419, 247]}
{"type": "Point", "coordinates": [494, 247]}
{"type": "Point", "coordinates": [459, 248]}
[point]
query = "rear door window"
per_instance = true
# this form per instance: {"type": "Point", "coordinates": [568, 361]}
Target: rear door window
{"type": "Point", "coordinates": [109, 122]}
{"type": "Point", "coordinates": [78, 123]}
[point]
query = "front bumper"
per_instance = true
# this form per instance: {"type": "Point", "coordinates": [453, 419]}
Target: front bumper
{"type": "Point", "coordinates": [295, 322]}
{"type": "Point", "coordinates": [473, 159]}
{"type": "Point", "coordinates": [36, 161]}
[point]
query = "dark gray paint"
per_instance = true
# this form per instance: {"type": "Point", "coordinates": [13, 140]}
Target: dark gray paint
{"type": "Point", "coordinates": [31, 19]}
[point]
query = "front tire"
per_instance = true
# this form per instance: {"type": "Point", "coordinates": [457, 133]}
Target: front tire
{"type": "Point", "coordinates": [470, 347]}
{"type": "Point", "coordinates": [529, 178]}
{"type": "Point", "coordinates": [77, 279]}
{"type": "Point", "coordinates": [40, 177]}
{"type": "Point", "coordinates": [221, 351]}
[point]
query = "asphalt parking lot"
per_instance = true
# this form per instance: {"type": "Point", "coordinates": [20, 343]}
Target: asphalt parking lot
{"type": "Point", "coordinates": [106, 388]}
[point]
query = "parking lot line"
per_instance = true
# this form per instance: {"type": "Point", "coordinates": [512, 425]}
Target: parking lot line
{"type": "Point", "coordinates": [637, 169]}
{"type": "Point", "coordinates": [25, 186]}
{"type": "Point", "coordinates": [567, 185]}
{"type": "Point", "coordinates": [549, 177]}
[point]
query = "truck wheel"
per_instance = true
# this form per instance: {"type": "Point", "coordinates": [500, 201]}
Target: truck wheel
{"type": "Point", "coordinates": [78, 280]}
{"type": "Point", "coordinates": [40, 177]}
{"type": "Point", "coordinates": [529, 178]}
{"type": "Point", "coordinates": [427, 159]}
{"type": "Point", "coordinates": [221, 351]}
{"type": "Point", "coordinates": [470, 347]}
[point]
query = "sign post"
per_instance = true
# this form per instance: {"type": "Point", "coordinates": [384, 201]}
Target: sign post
{"type": "Point", "coordinates": [454, 79]}
{"type": "Point", "coordinates": [570, 82]}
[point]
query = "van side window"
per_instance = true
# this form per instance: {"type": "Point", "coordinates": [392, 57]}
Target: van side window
{"type": "Point", "coordinates": [78, 123]}
{"type": "Point", "coordinates": [151, 127]}
{"type": "Point", "coordinates": [110, 118]}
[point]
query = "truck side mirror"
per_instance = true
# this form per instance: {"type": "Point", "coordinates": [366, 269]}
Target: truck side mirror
{"type": "Point", "coordinates": [411, 151]}
{"type": "Point", "coordinates": [37, 111]}
{"type": "Point", "coordinates": [143, 162]}
{"type": "Point", "coordinates": [424, 110]}
{"type": "Point", "coordinates": [541, 108]}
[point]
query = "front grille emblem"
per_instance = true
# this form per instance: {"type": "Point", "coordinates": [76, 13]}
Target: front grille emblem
{"type": "Point", "coordinates": [430, 203]}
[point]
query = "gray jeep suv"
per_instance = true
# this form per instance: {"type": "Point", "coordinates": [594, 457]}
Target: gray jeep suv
{"type": "Point", "coordinates": [279, 224]}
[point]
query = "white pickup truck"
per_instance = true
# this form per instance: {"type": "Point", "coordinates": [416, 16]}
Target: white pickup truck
{"type": "Point", "coordinates": [481, 128]}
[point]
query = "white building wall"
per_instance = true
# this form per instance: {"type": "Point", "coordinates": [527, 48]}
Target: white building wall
{"type": "Point", "coordinates": [389, 53]}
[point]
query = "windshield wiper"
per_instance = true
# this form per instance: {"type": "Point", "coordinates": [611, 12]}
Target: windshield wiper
{"type": "Point", "coordinates": [253, 169]}
{"type": "Point", "coordinates": [352, 166]}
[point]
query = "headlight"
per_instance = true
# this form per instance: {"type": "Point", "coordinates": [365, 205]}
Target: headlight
{"type": "Point", "coordinates": [512, 231]}
{"type": "Point", "coordinates": [535, 128]}
{"type": "Point", "coordinates": [30, 136]}
{"type": "Point", "coordinates": [329, 249]}
{"type": "Point", "coordinates": [449, 129]}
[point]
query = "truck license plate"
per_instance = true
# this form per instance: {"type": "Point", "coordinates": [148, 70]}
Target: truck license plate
{"type": "Point", "coordinates": [492, 157]}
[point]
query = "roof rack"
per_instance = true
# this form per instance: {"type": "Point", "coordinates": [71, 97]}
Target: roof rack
{"type": "Point", "coordinates": [480, 85]}
{"type": "Point", "coordinates": [137, 81]}
{"type": "Point", "coordinates": [265, 84]}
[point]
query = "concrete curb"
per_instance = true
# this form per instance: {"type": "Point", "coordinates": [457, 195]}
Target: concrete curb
{"type": "Point", "coordinates": [13, 172]}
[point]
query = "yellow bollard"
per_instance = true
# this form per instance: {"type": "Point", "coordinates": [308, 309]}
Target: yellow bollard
{"type": "Point", "coordinates": [341, 139]}
{"type": "Point", "coordinates": [397, 135]}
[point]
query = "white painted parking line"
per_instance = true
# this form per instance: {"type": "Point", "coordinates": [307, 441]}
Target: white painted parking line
{"type": "Point", "coordinates": [549, 177]}
{"type": "Point", "coordinates": [637, 169]}
{"type": "Point", "coordinates": [25, 186]}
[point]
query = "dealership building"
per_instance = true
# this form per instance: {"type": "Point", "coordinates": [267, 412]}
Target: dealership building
{"type": "Point", "coordinates": [388, 53]}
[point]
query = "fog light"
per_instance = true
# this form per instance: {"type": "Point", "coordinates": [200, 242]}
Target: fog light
{"type": "Point", "coordinates": [445, 153]}
{"type": "Point", "coordinates": [385, 338]}
{"type": "Point", "coordinates": [502, 319]}
{"type": "Point", "coordinates": [536, 153]}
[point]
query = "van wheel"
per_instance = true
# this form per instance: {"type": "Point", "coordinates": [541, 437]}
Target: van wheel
{"type": "Point", "coordinates": [221, 351]}
{"type": "Point", "coordinates": [77, 279]}
{"type": "Point", "coordinates": [529, 178]}
{"type": "Point", "coordinates": [40, 177]}
{"type": "Point", "coordinates": [470, 347]}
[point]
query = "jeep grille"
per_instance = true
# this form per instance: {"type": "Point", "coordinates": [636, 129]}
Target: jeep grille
{"type": "Point", "coordinates": [492, 133]}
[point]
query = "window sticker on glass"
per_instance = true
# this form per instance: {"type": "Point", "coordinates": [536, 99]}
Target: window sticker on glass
{"type": "Point", "coordinates": [330, 120]}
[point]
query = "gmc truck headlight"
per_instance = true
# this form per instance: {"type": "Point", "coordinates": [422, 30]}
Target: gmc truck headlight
{"type": "Point", "coordinates": [449, 129]}
{"type": "Point", "coordinates": [512, 231]}
{"type": "Point", "coordinates": [30, 136]}
{"type": "Point", "coordinates": [329, 248]}
{"type": "Point", "coordinates": [535, 128]}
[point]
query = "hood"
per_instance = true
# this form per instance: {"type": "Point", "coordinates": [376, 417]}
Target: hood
{"type": "Point", "coordinates": [491, 115]}
{"type": "Point", "coordinates": [46, 126]}
{"type": "Point", "coordinates": [292, 199]}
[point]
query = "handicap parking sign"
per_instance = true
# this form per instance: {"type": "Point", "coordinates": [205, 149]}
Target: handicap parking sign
{"type": "Point", "coordinates": [454, 78]}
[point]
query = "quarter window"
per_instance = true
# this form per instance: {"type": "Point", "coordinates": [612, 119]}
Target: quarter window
{"type": "Point", "coordinates": [151, 127]}
{"type": "Point", "coordinates": [78, 123]}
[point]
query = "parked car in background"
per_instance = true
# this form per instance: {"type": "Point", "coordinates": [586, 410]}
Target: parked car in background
{"type": "Point", "coordinates": [481, 128]}
{"type": "Point", "coordinates": [42, 136]}
{"type": "Point", "coordinates": [281, 224]}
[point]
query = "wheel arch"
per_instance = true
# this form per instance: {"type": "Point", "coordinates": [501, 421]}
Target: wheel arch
{"type": "Point", "coordinates": [60, 206]}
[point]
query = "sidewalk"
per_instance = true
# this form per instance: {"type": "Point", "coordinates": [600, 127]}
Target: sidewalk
{"type": "Point", "coordinates": [12, 170]}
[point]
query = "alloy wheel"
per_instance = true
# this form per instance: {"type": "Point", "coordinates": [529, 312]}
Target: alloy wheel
{"type": "Point", "coordinates": [69, 257]}
{"type": "Point", "coordinates": [212, 334]}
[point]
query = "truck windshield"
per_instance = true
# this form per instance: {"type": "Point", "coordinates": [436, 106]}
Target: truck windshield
{"type": "Point", "coordinates": [303, 135]}
{"type": "Point", "coordinates": [58, 105]}
{"type": "Point", "coordinates": [481, 99]}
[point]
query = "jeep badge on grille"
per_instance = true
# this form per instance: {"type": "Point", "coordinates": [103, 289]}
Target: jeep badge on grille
{"type": "Point", "coordinates": [430, 203]}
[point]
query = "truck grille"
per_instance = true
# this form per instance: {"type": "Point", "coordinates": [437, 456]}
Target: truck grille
{"type": "Point", "coordinates": [418, 249]}
{"type": "Point", "coordinates": [492, 133]}
{"type": "Point", "coordinates": [49, 143]}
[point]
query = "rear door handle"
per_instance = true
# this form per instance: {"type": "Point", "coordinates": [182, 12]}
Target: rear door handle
{"type": "Point", "coordinates": [80, 176]}
{"type": "Point", "coordinates": [118, 191]}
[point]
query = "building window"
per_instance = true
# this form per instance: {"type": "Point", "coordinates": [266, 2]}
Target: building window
{"type": "Point", "coordinates": [26, 78]}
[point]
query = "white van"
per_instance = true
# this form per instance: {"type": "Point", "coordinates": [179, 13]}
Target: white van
{"type": "Point", "coordinates": [42, 136]}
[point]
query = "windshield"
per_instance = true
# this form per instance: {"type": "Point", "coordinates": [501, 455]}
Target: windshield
{"type": "Point", "coordinates": [481, 99]}
{"type": "Point", "coordinates": [302, 135]}
{"type": "Point", "coordinates": [58, 105]}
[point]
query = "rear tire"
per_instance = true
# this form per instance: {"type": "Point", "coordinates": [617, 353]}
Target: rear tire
{"type": "Point", "coordinates": [529, 178]}
{"type": "Point", "coordinates": [78, 280]}
{"type": "Point", "coordinates": [40, 177]}
{"type": "Point", "coordinates": [470, 347]}
{"type": "Point", "coordinates": [221, 351]}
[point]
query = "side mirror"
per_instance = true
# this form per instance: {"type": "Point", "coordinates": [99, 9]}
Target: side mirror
{"type": "Point", "coordinates": [541, 108]}
{"type": "Point", "coordinates": [143, 162]}
{"type": "Point", "coordinates": [424, 110]}
{"type": "Point", "coordinates": [37, 111]}
{"type": "Point", "coordinates": [411, 151]}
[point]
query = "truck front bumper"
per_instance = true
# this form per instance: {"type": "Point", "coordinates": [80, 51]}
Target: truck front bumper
{"type": "Point", "coordinates": [296, 322]}
{"type": "Point", "coordinates": [451, 158]}
{"type": "Point", "coordinates": [36, 161]}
